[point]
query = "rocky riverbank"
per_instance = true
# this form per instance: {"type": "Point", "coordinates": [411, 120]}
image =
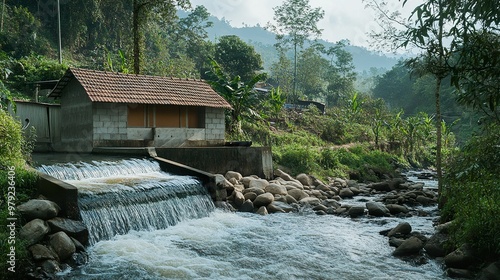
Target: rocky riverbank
{"type": "Point", "coordinates": [392, 197]}
{"type": "Point", "coordinates": [55, 243]}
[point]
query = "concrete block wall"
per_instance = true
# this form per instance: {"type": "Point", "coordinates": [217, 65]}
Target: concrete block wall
{"type": "Point", "coordinates": [109, 121]}
{"type": "Point", "coordinates": [215, 125]}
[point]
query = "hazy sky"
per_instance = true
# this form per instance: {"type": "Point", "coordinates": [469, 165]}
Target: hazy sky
{"type": "Point", "coordinates": [344, 19]}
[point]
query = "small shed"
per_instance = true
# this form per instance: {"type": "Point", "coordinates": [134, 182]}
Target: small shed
{"type": "Point", "coordinates": [107, 109]}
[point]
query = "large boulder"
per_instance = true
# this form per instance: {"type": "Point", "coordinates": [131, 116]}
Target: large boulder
{"type": "Point", "coordinates": [247, 206]}
{"type": "Point", "coordinates": [491, 272]}
{"type": "Point", "coordinates": [381, 186]}
{"type": "Point", "coordinates": [75, 229]}
{"type": "Point", "coordinates": [410, 246]}
{"type": "Point", "coordinates": [40, 252]}
{"type": "Point", "coordinates": [283, 175]}
{"type": "Point", "coordinates": [298, 194]}
{"type": "Point", "coordinates": [346, 193]}
{"type": "Point", "coordinates": [462, 257]}
{"type": "Point", "coordinates": [377, 209]}
{"type": "Point", "coordinates": [395, 209]}
{"type": "Point", "coordinates": [262, 211]}
{"type": "Point", "coordinates": [34, 231]}
{"type": "Point", "coordinates": [257, 191]}
{"type": "Point", "coordinates": [39, 209]}
{"type": "Point", "coordinates": [258, 183]}
{"type": "Point", "coordinates": [401, 229]}
{"type": "Point", "coordinates": [276, 189]}
{"type": "Point", "coordinates": [310, 201]}
{"type": "Point", "coordinates": [263, 200]}
{"type": "Point", "coordinates": [62, 245]}
{"type": "Point", "coordinates": [304, 179]}
{"type": "Point", "coordinates": [233, 175]}
{"type": "Point", "coordinates": [239, 199]}
{"type": "Point", "coordinates": [250, 196]}
{"type": "Point", "coordinates": [435, 246]}
{"type": "Point", "coordinates": [356, 211]}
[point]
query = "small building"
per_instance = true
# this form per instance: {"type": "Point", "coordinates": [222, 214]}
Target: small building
{"type": "Point", "coordinates": [107, 109]}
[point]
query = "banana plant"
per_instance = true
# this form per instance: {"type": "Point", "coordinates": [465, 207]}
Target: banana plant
{"type": "Point", "coordinates": [240, 95]}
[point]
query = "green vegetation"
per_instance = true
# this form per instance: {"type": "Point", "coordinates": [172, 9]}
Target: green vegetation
{"type": "Point", "coordinates": [472, 192]}
{"type": "Point", "coordinates": [14, 151]}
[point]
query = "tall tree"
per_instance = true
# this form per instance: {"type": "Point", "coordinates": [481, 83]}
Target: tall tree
{"type": "Point", "coordinates": [296, 23]}
{"type": "Point", "coordinates": [237, 58]}
{"type": "Point", "coordinates": [142, 11]}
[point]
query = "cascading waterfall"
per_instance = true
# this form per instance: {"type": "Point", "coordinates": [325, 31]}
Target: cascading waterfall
{"type": "Point", "coordinates": [133, 194]}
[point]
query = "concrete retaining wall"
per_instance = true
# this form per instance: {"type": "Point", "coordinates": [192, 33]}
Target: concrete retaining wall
{"type": "Point", "coordinates": [62, 193]}
{"type": "Point", "coordinates": [246, 160]}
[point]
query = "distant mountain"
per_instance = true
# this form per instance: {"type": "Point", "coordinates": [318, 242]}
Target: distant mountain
{"type": "Point", "coordinates": [263, 42]}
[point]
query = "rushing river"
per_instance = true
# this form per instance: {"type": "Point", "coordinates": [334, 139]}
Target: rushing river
{"type": "Point", "coordinates": [248, 246]}
{"type": "Point", "coordinates": [227, 245]}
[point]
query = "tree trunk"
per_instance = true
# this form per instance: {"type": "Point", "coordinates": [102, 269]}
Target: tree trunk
{"type": "Point", "coordinates": [136, 35]}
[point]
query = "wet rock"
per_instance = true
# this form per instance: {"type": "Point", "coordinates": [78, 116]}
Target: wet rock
{"type": "Point", "coordinates": [39, 209]}
{"type": "Point", "coordinates": [377, 209]}
{"type": "Point", "coordinates": [424, 200]}
{"type": "Point", "coordinates": [346, 193]}
{"type": "Point", "coordinates": [491, 272]}
{"type": "Point", "coordinates": [435, 246]}
{"type": "Point", "coordinates": [298, 194]}
{"type": "Point", "coordinates": [356, 211]}
{"type": "Point", "coordinates": [395, 209]}
{"type": "Point", "coordinates": [51, 267]}
{"type": "Point", "coordinates": [381, 186]}
{"type": "Point", "coordinates": [276, 189]}
{"type": "Point", "coordinates": [410, 246]}
{"type": "Point", "coordinates": [462, 257]}
{"type": "Point", "coordinates": [331, 203]}
{"type": "Point", "coordinates": [233, 175]}
{"type": "Point", "coordinates": [239, 199]}
{"type": "Point", "coordinates": [75, 229]}
{"type": "Point", "coordinates": [262, 211]}
{"type": "Point", "coordinates": [34, 231]}
{"type": "Point", "coordinates": [310, 201]}
{"type": "Point", "coordinates": [320, 212]}
{"type": "Point", "coordinates": [275, 208]}
{"type": "Point", "coordinates": [40, 252]}
{"type": "Point", "coordinates": [224, 205]}
{"type": "Point", "coordinates": [62, 245]}
{"type": "Point", "coordinates": [247, 206]}
{"type": "Point", "coordinates": [290, 199]}
{"type": "Point", "coordinates": [320, 207]}
{"type": "Point", "coordinates": [460, 273]}
{"type": "Point", "coordinates": [281, 205]}
{"type": "Point", "coordinates": [401, 229]}
{"type": "Point", "coordinates": [444, 228]}
{"type": "Point", "coordinates": [395, 242]}
{"type": "Point", "coordinates": [263, 200]}
{"type": "Point", "coordinates": [250, 195]}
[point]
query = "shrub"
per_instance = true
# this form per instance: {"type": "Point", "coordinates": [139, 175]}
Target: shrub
{"type": "Point", "coordinates": [12, 145]}
{"type": "Point", "coordinates": [472, 192]}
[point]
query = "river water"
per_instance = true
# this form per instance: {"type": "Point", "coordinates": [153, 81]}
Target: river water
{"type": "Point", "coordinates": [227, 245]}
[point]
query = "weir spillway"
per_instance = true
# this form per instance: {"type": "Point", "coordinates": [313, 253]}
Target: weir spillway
{"type": "Point", "coordinates": [116, 197]}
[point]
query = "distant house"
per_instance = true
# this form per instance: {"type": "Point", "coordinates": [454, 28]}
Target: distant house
{"type": "Point", "coordinates": [105, 109]}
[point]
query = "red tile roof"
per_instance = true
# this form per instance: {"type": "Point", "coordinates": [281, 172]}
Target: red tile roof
{"type": "Point", "coordinates": [113, 87]}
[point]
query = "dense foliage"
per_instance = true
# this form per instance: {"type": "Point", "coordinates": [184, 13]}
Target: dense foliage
{"type": "Point", "coordinates": [472, 190]}
{"type": "Point", "coordinates": [14, 151]}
